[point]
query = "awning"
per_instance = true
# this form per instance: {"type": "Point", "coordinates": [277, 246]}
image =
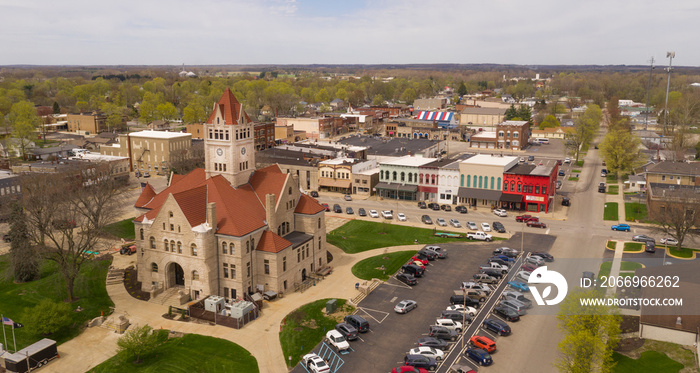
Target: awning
{"type": "Point", "coordinates": [402, 188]}
{"type": "Point", "coordinates": [337, 183]}
{"type": "Point", "coordinates": [511, 198]}
{"type": "Point", "coordinates": [489, 195]}
{"type": "Point", "coordinates": [441, 116]}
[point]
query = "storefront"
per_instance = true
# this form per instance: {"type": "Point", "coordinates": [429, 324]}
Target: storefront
{"type": "Point", "coordinates": [397, 191]}
{"type": "Point", "coordinates": [479, 197]}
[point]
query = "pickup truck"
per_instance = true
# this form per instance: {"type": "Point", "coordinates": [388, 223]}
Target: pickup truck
{"type": "Point", "coordinates": [494, 265]}
{"type": "Point", "coordinates": [526, 218]}
{"type": "Point", "coordinates": [479, 235]}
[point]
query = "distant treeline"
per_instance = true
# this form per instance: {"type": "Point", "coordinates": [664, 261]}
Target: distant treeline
{"type": "Point", "coordinates": [121, 77]}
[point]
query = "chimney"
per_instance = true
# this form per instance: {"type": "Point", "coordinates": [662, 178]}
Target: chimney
{"type": "Point", "coordinates": [295, 178]}
{"type": "Point", "coordinates": [270, 211]}
{"type": "Point", "coordinates": [211, 215]}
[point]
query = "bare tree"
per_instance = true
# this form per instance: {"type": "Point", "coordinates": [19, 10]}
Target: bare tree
{"type": "Point", "coordinates": [678, 216]}
{"type": "Point", "coordinates": [66, 212]}
{"type": "Point", "coordinates": [189, 159]}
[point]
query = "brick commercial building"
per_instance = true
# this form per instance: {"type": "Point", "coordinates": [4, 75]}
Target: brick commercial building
{"type": "Point", "coordinates": [229, 229]}
{"type": "Point", "coordinates": [151, 151]}
{"type": "Point", "coordinates": [529, 187]}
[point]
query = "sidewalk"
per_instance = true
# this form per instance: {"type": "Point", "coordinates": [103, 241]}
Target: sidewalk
{"type": "Point", "coordinates": [620, 199]}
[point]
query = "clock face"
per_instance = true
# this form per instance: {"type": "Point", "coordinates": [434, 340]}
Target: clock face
{"type": "Point", "coordinates": [243, 151]}
{"type": "Point", "coordinates": [219, 151]}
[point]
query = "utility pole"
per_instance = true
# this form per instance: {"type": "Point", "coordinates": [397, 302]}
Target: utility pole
{"type": "Point", "coordinates": [670, 56]}
{"type": "Point", "coordinates": [646, 115]}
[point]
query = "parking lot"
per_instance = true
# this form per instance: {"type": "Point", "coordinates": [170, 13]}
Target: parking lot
{"type": "Point", "coordinates": [391, 335]}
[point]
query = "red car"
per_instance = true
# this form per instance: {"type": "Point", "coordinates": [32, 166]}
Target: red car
{"type": "Point", "coordinates": [325, 206]}
{"type": "Point", "coordinates": [408, 369]}
{"type": "Point", "coordinates": [526, 218]}
{"type": "Point", "coordinates": [417, 259]}
{"type": "Point", "coordinates": [483, 343]}
{"type": "Point", "coordinates": [536, 224]}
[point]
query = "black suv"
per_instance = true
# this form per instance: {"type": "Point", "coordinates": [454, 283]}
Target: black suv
{"type": "Point", "coordinates": [422, 205]}
{"type": "Point", "coordinates": [498, 227]}
{"type": "Point", "coordinates": [420, 361]}
{"type": "Point", "coordinates": [337, 209]}
{"type": "Point", "coordinates": [461, 209]}
{"type": "Point", "coordinates": [440, 332]}
{"type": "Point", "coordinates": [446, 208]}
{"type": "Point", "coordinates": [507, 313]}
{"type": "Point", "coordinates": [348, 331]}
{"type": "Point", "coordinates": [565, 201]}
{"type": "Point", "coordinates": [358, 322]}
{"type": "Point", "coordinates": [361, 212]}
{"type": "Point", "coordinates": [413, 269]}
{"type": "Point", "coordinates": [434, 206]}
{"type": "Point", "coordinates": [493, 272]}
{"type": "Point", "coordinates": [464, 300]}
{"type": "Point", "coordinates": [314, 194]}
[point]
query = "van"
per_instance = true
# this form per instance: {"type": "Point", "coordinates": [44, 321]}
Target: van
{"type": "Point", "coordinates": [520, 297]}
{"type": "Point", "coordinates": [514, 305]}
{"type": "Point", "coordinates": [650, 246]}
{"type": "Point", "coordinates": [358, 322]}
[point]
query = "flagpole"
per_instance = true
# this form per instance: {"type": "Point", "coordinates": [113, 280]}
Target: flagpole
{"type": "Point", "coordinates": [3, 330]}
{"type": "Point", "coordinates": [13, 335]}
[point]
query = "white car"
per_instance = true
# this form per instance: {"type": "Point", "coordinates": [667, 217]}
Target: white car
{"type": "Point", "coordinates": [337, 340]}
{"type": "Point", "coordinates": [405, 305]}
{"type": "Point", "coordinates": [471, 225]}
{"type": "Point", "coordinates": [441, 222]}
{"type": "Point", "coordinates": [485, 227]}
{"type": "Point", "coordinates": [500, 212]}
{"type": "Point", "coordinates": [401, 216]}
{"type": "Point", "coordinates": [315, 364]}
{"type": "Point", "coordinates": [455, 223]}
{"type": "Point", "coordinates": [522, 159]}
{"type": "Point", "coordinates": [428, 352]}
{"type": "Point", "coordinates": [477, 286]}
{"type": "Point", "coordinates": [524, 275]}
{"type": "Point", "coordinates": [449, 324]}
{"type": "Point", "coordinates": [536, 260]}
{"type": "Point", "coordinates": [373, 213]}
{"type": "Point", "coordinates": [567, 160]}
{"type": "Point", "coordinates": [386, 214]}
{"type": "Point", "coordinates": [471, 311]}
{"type": "Point", "coordinates": [669, 241]}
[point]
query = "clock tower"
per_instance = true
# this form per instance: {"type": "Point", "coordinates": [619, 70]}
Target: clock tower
{"type": "Point", "coordinates": [229, 141]}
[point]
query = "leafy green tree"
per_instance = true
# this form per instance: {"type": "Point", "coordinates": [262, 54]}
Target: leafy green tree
{"type": "Point", "coordinates": [194, 112]}
{"type": "Point", "coordinates": [166, 111]}
{"type": "Point", "coordinates": [140, 341]}
{"type": "Point", "coordinates": [115, 115]}
{"type": "Point", "coordinates": [409, 95]}
{"type": "Point", "coordinates": [48, 316]}
{"type": "Point", "coordinates": [525, 113]}
{"type": "Point", "coordinates": [462, 89]}
{"type": "Point", "coordinates": [378, 100]}
{"type": "Point", "coordinates": [25, 266]}
{"type": "Point", "coordinates": [24, 121]}
{"type": "Point", "coordinates": [56, 108]}
{"type": "Point", "coordinates": [620, 150]}
{"type": "Point", "coordinates": [511, 112]}
{"type": "Point", "coordinates": [549, 122]}
{"type": "Point", "coordinates": [585, 128]}
{"type": "Point", "coordinates": [323, 96]}
{"type": "Point", "coordinates": [148, 110]}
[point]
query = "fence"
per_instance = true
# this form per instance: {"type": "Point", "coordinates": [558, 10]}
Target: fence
{"type": "Point", "coordinates": [197, 311]}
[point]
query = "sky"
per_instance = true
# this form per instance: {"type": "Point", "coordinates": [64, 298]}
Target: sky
{"type": "Point", "coordinates": [204, 32]}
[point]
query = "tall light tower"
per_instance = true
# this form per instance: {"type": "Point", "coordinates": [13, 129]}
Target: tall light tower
{"type": "Point", "coordinates": [646, 115]}
{"type": "Point", "coordinates": [670, 56]}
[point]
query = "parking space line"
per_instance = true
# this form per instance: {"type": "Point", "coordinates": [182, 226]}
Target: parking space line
{"type": "Point", "coordinates": [363, 309]}
{"type": "Point", "coordinates": [393, 299]}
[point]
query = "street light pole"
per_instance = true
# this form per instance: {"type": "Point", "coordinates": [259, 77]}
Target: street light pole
{"type": "Point", "coordinates": [670, 56]}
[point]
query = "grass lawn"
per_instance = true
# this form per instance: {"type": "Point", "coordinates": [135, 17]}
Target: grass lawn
{"type": "Point", "coordinates": [190, 353]}
{"type": "Point", "coordinates": [306, 326]}
{"type": "Point", "coordinates": [358, 235]}
{"type": "Point", "coordinates": [122, 229]}
{"type": "Point", "coordinates": [610, 212]}
{"type": "Point", "coordinates": [634, 246]}
{"type": "Point", "coordinates": [604, 270]}
{"type": "Point", "coordinates": [611, 245]}
{"type": "Point", "coordinates": [613, 189]}
{"type": "Point", "coordinates": [635, 211]}
{"type": "Point", "coordinates": [649, 361]}
{"type": "Point", "coordinates": [90, 289]}
{"type": "Point", "coordinates": [573, 178]}
{"type": "Point", "coordinates": [575, 171]}
{"type": "Point", "coordinates": [629, 266]}
{"type": "Point", "coordinates": [611, 179]}
{"type": "Point", "coordinates": [684, 252]}
{"type": "Point", "coordinates": [579, 163]}
{"type": "Point", "coordinates": [369, 268]}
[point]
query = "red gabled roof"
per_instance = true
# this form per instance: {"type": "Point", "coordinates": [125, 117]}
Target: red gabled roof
{"type": "Point", "coordinates": [175, 178]}
{"type": "Point", "coordinates": [272, 243]}
{"type": "Point", "coordinates": [189, 181]}
{"type": "Point", "coordinates": [268, 180]}
{"type": "Point", "coordinates": [230, 109]}
{"type": "Point", "coordinates": [146, 196]}
{"type": "Point", "coordinates": [308, 205]}
{"type": "Point", "coordinates": [193, 203]}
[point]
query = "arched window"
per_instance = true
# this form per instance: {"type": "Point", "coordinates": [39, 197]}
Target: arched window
{"type": "Point", "coordinates": [461, 180]}
{"type": "Point", "coordinates": [403, 176]}
{"type": "Point", "coordinates": [410, 177]}
{"type": "Point", "coordinates": [179, 247]}
{"type": "Point", "coordinates": [170, 213]}
{"type": "Point", "coordinates": [195, 275]}
{"type": "Point", "coordinates": [420, 177]}
{"type": "Point", "coordinates": [515, 135]}
{"type": "Point", "coordinates": [498, 182]}
{"type": "Point", "coordinates": [252, 242]}
{"type": "Point", "coordinates": [172, 246]}
{"type": "Point", "coordinates": [231, 248]}
{"type": "Point", "coordinates": [153, 242]}
{"type": "Point", "coordinates": [516, 143]}
{"type": "Point", "coordinates": [290, 190]}
{"type": "Point", "coordinates": [415, 176]}
{"type": "Point", "coordinates": [154, 267]}
{"type": "Point", "coordinates": [319, 223]}
{"type": "Point", "coordinates": [492, 183]}
{"type": "Point", "coordinates": [286, 224]}
{"type": "Point", "coordinates": [247, 246]}
{"type": "Point", "coordinates": [500, 133]}
{"type": "Point", "coordinates": [469, 181]}
{"type": "Point", "coordinates": [166, 245]}
{"type": "Point", "coordinates": [394, 174]}
{"type": "Point", "coordinates": [481, 179]}
{"type": "Point", "coordinates": [141, 233]}
{"type": "Point", "coordinates": [194, 249]}
{"type": "Point", "coordinates": [224, 248]}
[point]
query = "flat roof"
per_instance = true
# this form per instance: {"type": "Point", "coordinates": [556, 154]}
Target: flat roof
{"type": "Point", "coordinates": [410, 161]}
{"type": "Point", "coordinates": [389, 146]}
{"type": "Point", "coordinates": [371, 171]}
{"type": "Point", "coordinates": [515, 123]}
{"type": "Point", "coordinates": [340, 160]}
{"type": "Point", "coordinates": [160, 134]}
{"type": "Point", "coordinates": [490, 159]}
{"type": "Point", "coordinates": [96, 157]}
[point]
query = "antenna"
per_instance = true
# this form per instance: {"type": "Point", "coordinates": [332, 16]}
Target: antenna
{"type": "Point", "coordinates": [646, 115]}
{"type": "Point", "coordinates": [670, 56]}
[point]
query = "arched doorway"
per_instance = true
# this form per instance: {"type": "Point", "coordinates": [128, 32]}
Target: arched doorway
{"type": "Point", "coordinates": [176, 275]}
{"type": "Point", "coordinates": [303, 274]}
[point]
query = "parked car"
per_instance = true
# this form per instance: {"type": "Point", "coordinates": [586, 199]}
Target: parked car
{"type": "Point", "coordinates": [482, 277]}
{"type": "Point", "coordinates": [407, 278]}
{"type": "Point", "coordinates": [456, 316]}
{"type": "Point", "coordinates": [480, 356]}
{"type": "Point", "coordinates": [477, 286]}
{"type": "Point", "coordinates": [146, 174]}
{"type": "Point", "coordinates": [337, 209]}
{"type": "Point", "coordinates": [413, 270]}
{"type": "Point", "coordinates": [461, 308]}
{"type": "Point", "coordinates": [527, 267]}
{"type": "Point", "coordinates": [349, 210]}
{"type": "Point", "coordinates": [567, 160]}
{"type": "Point", "coordinates": [507, 313]}
{"type": "Point", "coordinates": [483, 343]}
{"type": "Point", "coordinates": [348, 197]}
{"type": "Point", "coordinates": [493, 265]}
{"type": "Point", "coordinates": [423, 260]}
{"type": "Point", "coordinates": [386, 214]}
{"type": "Point", "coordinates": [442, 253]}
{"type": "Point", "coordinates": [361, 212]}
{"type": "Point", "coordinates": [426, 219]}
{"type": "Point", "coordinates": [536, 224]}
{"type": "Point", "coordinates": [440, 332]}
{"type": "Point", "coordinates": [514, 305]}
{"type": "Point", "coordinates": [461, 209]}
{"type": "Point", "coordinates": [525, 275]}
{"type": "Point", "coordinates": [405, 306]}
{"type": "Point", "coordinates": [420, 361]}
{"type": "Point", "coordinates": [565, 201]}
{"type": "Point", "coordinates": [358, 322]}
{"type": "Point", "coordinates": [373, 214]}
{"type": "Point", "coordinates": [561, 173]}
{"type": "Point", "coordinates": [526, 218]}
{"type": "Point", "coordinates": [441, 222]}
{"type": "Point", "coordinates": [493, 272]}
{"type": "Point", "coordinates": [433, 342]}
{"type": "Point", "coordinates": [546, 256]}
{"type": "Point", "coordinates": [621, 227]}
{"type": "Point", "coordinates": [408, 369]}
{"type": "Point", "coordinates": [314, 194]}
{"type": "Point", "coordinates": [601, 188]}
{"type": "Point", "coordinates": [427, 254]}
{"type": "Point", "coordinates": [449, 324]}
{"type": "Point", "coordinates": [500, 212]}
{"type": "Point", "coordinates": [430, 352]}
{"type": "Point", "coordinates": [433, 206]}
{"type": "Point", "coordinates": [507, 251]}
{"type": "Point", "coordinates": [603, 173]}
{"type": "Point", "coordinates": [485, 227]}
{"type": "Point", "coordinates": [669, 241]}
{"type": "Point", "coordinates": [348, 331]}
{"type": "Point", "coordinates": [401, 216]}
{"type": "Point", "coordinates": [498, 227]}
{"type": "Point", "coordinates": [315, 364]}
{"type": "Point", "coordinates": [497, 326]}
{"type": "Point", "coordinates": [649, 247]}
{"type": "Point", "coordinates": [464, 300]}
{"type": "Point", "coordinates": [455, 223]}
{"type": "Point", "coordinates": [325, 206]}
{"type": "Point", "coordinates": [422, 205]}
{"type": "Point", "coordinates": [559, 184]}
{"type": "Point", "coordinates": [446, 208]}
{"type": "Point", "coordinates": [471, 225]}
{"type": "Point", "coordinates": [536, 260]}
{"type": "Point", "coordinates": [518, 285]}
{"type": "Point", "coordinates": [337, 340]}
{"type": "Point", "coordinates": [499, 260]}
{"type": "Point", "coordinates": [530, 158]}
{"type": "Point", "coordinates": [642, 238]}
{"type": "Point", "coordinates": [520, 297]}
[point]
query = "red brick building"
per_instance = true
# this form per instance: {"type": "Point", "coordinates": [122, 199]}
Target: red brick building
{"type": "Point", "coordinates": [264, 135]}
{"type": "Point", "coordinates": [529, 187]}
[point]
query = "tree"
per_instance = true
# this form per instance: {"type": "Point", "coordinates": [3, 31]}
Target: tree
{"type": "Point", "coordinates": [56, 108]}
{"type": "Point", "coordinates": [620, 150]}
{"type": "Point", "coordinates": [48, 316]}
{"type": "Point", "coordinates": [378, 100]}
{"type": "Point", "coordinates": [24, 121]}
{"type": "Point", "coordinates": [511, 112]}
{"type": "Point", "coordinates": [677, 219]}
{"type": "Point", "coordinates": [590, 334]}
{"type": "Point", "coordinates": [525, 113]}
{"type": "Point", "coordinates": [66, 213]}
{"type": "Point", "coordinates": [166, 111]}
{"type": "Point", "coordinates": [462, 89]}
{"type": "Point", "coordinates": [584, 129]}
{"type": "Point", "coordinates": [189, 159]}
{"type": "Point", "coordinates": [549, 122]}
{"type": "Point", "coordinates": [25, 266]}
{"type": "Point", "coordinates": [139, 342]}
{"type": "Point", "coordinates": [194, 113]}
{"type": "Point", "coordinates": [115, 115]}
{"type": "Point", "coordinates": [408, 96]}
